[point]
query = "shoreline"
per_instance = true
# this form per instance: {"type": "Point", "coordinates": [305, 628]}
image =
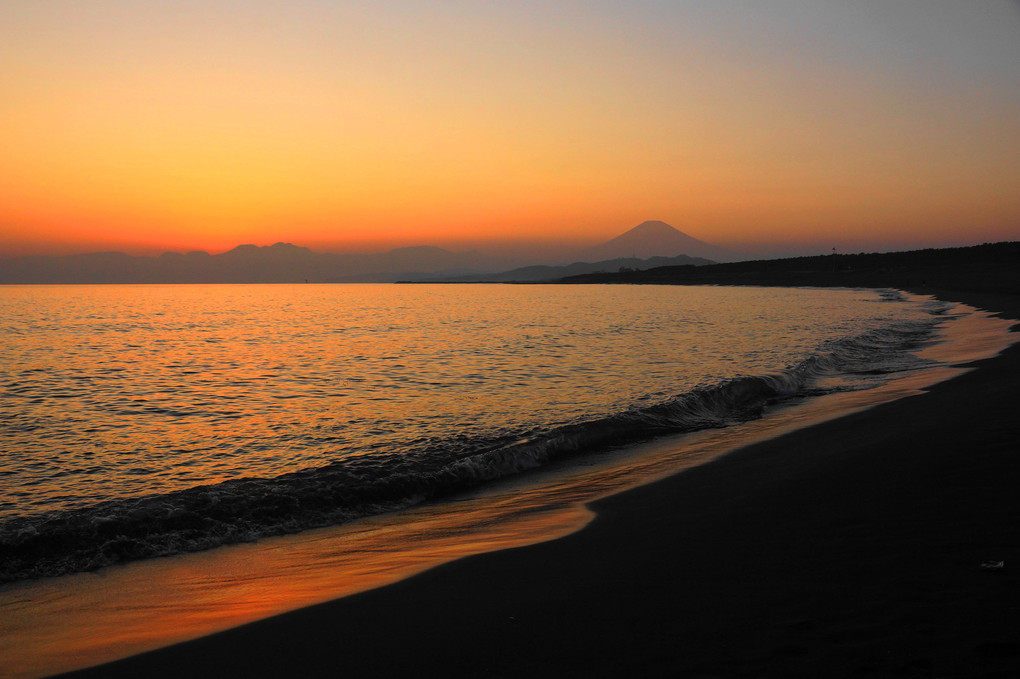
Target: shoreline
{"type": "Point", "coordinates": [62, 624]}
{"type": "Point", "coordinates": [771, 559]}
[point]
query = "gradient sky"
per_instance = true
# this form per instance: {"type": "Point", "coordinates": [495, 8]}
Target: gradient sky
{"type": "Point", "coordinates": [765, 125]}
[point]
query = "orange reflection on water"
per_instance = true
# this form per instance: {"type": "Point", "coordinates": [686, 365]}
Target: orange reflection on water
{"type": "Point", "coordinates": [82, 620]}
{"type": "Point", "coordinates": [67, 623]}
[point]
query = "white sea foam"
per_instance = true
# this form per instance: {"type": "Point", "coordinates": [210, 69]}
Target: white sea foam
{"type": "Point", "coordinates": [327, 403]}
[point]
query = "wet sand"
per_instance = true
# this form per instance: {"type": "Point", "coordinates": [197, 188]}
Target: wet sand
{"type": "Point", "coordinates": [849, 548]}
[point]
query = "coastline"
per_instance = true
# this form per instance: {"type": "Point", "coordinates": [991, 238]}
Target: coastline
{"type": "Point", "coordinates": [769, 560]}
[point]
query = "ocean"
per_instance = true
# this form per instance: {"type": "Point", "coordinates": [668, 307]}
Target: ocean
{"type": "Point", "coordinates": [143, 421]}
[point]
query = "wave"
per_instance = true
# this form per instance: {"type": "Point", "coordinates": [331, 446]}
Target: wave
{"type": "Point", "coordinates": [243, 510]}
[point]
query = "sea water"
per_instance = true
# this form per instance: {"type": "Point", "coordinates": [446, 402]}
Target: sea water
{"type": "Point", "coordinates": [142, 421]}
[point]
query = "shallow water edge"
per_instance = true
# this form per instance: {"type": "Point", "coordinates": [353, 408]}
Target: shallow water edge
{"type": "Point", "coordinates": [65, 623]}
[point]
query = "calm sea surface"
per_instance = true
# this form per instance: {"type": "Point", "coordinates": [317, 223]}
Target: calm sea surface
{"type": "Point", "coordinates": [146, 420]}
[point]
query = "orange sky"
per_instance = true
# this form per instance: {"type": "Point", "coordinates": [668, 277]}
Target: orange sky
{"type": "Point", "coordinates": [779, 126]}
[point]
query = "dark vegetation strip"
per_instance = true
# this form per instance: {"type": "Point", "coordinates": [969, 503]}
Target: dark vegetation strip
{"type": "Point", "coordinates": [992, 267]}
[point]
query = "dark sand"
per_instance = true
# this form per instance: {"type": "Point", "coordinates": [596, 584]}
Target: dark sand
{"type": "Point", "coordinates": [851, 548]}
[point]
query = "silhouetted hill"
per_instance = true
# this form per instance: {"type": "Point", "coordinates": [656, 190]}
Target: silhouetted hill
{"type": "Point", "coordinates": [655, 239]}
{"type": "Point", "coordinates": [992, 267]}
{"type": "Point", "coordinates": [542, 272]}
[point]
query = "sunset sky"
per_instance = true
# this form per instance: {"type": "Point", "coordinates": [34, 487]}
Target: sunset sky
{"type": "Point", "coordinates": [782, 126]}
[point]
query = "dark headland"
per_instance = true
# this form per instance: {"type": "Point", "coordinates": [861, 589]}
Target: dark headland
{"type": "Point", "coordinates": [990, 267]}
{"type": "Point", "coordinates": [852, 548]}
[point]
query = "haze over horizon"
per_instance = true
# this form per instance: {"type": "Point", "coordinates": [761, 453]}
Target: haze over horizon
{"type": "Point", "coordinates": [771, 128]}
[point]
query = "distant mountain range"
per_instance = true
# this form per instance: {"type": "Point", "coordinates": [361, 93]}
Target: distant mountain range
{"type": "Point", "coordinates": [287, 263]}
{"type": "Point", "coordinates": [279, 263]}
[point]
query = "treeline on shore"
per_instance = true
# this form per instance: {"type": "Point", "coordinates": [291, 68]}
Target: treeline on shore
{"type": "Point", "coordinates": [992, 267]}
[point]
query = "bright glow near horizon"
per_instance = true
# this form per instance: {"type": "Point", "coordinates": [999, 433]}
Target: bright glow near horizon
{"type": "Point", "coordinates": [788, 124]}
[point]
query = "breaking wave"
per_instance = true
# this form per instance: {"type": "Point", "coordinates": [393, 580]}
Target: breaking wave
{"type": "Point", "coordinates": [240, 510]}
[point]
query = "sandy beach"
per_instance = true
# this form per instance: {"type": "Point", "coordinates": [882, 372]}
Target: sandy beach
{"type": "Point", "coordinates": [856, 547]}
